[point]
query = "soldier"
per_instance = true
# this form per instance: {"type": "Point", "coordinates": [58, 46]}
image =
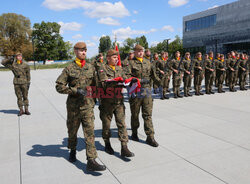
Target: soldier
{"type": "Point", "coordinates": [243, 72]}
{"type": "Point", "coordinates": [220, 70]}
{"type": "Point", "coordinates": [188, 74]}
{"type": "Point", "coordinates": [169, 73]}
{"type": "Point", "coordinates": [147, 54]}
{"type": "Point", "coordinates": [209, 73]}
{"type": "Point", "coordinates": [155, 84]}
{"type": "Point", "coordinates": [125, 63]}
{"type": "Point", "coordinates": [227, 69]}
{"type": "Point", "coordinates": [177, 68]}
{"type": "Point", "coordinates": [74, 80]}
{"type": "Point", "coordinates": [21, 81]}
{"type": "Point", "coordinates": [109, 76]}
{"type": "Point", "coordinates": [232, 66]}
{"type": "Point", "coordinates": [142, 69]}
{"type": "Point", "coordinates": [163, 70]}
{"type": "Point", "coordinates": [198, 73]}
{"type": "Point", "coordinates": [216, 62]}
{"type": "Point", "coordinates": [98, 62]}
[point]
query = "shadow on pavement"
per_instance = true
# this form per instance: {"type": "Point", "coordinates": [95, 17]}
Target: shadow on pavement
{"type": "Point", "coordinates": [11, 111]}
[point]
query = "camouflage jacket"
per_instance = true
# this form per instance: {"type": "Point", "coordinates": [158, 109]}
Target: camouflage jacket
{"type": "Point", "coordinates": [197, 64]}
{"type": "Point", "coordinates": [112, 89]}
{"type": "Point", "coordinates": [243, 65]}
{"type": "Point", "coordinates": [73, 77]}
{"type": "Point", "coordinates": [125, 66]}
{"type": "Point", "coordinates": [143, 70]}
{"type": "Point", "coordinates": [220, 65]}
{"type": "Point", "coordinates": [233, 64]}
{"type": "Point", "coordinates": [209, 64]}
{"type": "Point", "coordinates": [176, 65]}
{"type": "Point", "coordinates": [21, 71]}
{"type": "Point", "coordinates": [188, 66]}
{"type": "Point", "coordinates": [162, 65]}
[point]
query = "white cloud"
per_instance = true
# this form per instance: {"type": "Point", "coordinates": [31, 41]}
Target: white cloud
{"type": "Point", "coordinates": [70, 26]}
{"type": "Point", "coordinates": [176, 3]}
{"type": "Point", "coordinates": [134, 21]}
{"type": "Point", "coordinates": [135, 12]}
{"type": "Point", "coordinates": [124, 33]}
{"type": "Point", "coordinates": [109, 21]}
{"type": "Point", "coordinates": [167, 28]}
{"type": "Point", "coordinates": [215, 6]}
{"type": "Point", "coordinates": [92, 8]}
{"type": "Point", "coordinates": [154, 43]}
{"type": "Point", "coordinates": [77, 36]}
{"type": "Point", "coordinates": [95, 38]}
{"type": "Point", "coordinates": [90, 44]}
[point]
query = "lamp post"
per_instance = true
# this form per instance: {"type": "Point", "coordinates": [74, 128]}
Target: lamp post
{"type": "Point", "coordinates": [167, 42]}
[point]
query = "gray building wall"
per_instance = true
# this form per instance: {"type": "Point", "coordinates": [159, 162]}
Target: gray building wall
{"type": "Point", "coordinates": [232, 27]}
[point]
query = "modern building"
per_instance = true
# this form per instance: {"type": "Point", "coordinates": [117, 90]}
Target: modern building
{"type": "Point", "coordinates": [219, 29]}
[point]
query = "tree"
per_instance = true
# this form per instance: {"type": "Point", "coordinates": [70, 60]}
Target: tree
{"type": "Point", "coordinates": [15, 34]}
{"type": "Point", "coordinates": [142, 41]}
{"type": "Point", "coordinates": [48, 42]}
{"type": "Point", "coordinates": [105, 44]}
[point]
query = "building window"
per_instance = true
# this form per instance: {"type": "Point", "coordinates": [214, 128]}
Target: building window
{"type": "Point", "coordinates": [201, 23]}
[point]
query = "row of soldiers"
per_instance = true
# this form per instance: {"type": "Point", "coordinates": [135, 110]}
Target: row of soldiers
{"type": "Point", "coordinates": [231, 70]}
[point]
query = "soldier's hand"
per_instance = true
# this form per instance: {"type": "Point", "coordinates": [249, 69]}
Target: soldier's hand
{"type": "Point", "coordinates": [200, 68]}
{"type": "Point", "coordinates": [80, 91]}
{"type": "Point", "coordinates": [144, 81]}
{"type": "Point", "coordinates": [162, 72]}
{"type": "Point", "coordinates": [176, 71]}
{"type": "Point", "coordinates": [188, 72]}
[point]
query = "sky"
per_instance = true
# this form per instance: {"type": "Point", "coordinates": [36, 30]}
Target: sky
{"type": "Point", "coordinates": [84, 20]}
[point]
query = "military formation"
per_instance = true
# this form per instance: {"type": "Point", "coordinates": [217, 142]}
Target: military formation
{"type": "Point", "coordinates": [102, 82]}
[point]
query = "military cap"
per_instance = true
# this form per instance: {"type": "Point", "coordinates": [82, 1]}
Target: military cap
{"type": "Point", "coordinates": [80, 45]}
{"type": "Point", "coordinates": [112, 52]}
{"type": "Point", "coordinates": [198, 53]}
{"type": "Point", "coordinates": [138, 47]}
{"type": "Point", "coordinates": [147, 50]}
{"type": "Point", "coordinates": [177, 52]}
{"type": "Point", "coordinates": [131, 52]}
{"type": "Point", "coordinates": [18, 53]}
{"type": "Point", "coordinates": [100, 55]}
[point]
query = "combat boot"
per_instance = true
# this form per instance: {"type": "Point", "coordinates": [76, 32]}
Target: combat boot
{"type": "Point", "coordinates": [175, 96]}
{"type": "Point", "coordinates": [72, 156]}
{"type": "Point", "coordinates": [92, 165]}
{"type": "Point", "coordinates": [151, 141]}
{"type": "Point", "coordinates": [125, 152]}
{"type": "Point", "coordinates": [166, 96]}
{"type": "Point", "coordinates": [108, 148]}
{"type": "Point", "coordinates": [21, 112]}
{"type": "Point", "coordinates": [200, 93]}
{"type": "Point", "coordinates": [135, 137]}
{"type": "Point", "coordinates": [27, 111]}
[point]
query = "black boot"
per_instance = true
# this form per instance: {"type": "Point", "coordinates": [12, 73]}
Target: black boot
{"type": "Point", "coordinates": [201, 93]}
{"type": "Point", "coordinates": [21, 112]}
{"type": "Point", "coordinates": [125, 152]}
{"type": "Point", "coordinates": [166, 96]}
{"type": "Point", "coordinates": [135, 137]}
{"type": "Point", "coordinates": [211, 92]}
{"type": "Point", "coordinates": [175, 96]}
{"type": "Point", "coordinates": [189, 94]}
{"type": "Point", "coordinates": [108, 148]}
{"type": "Point", "coordinates": [151, 141]}
{"type": "Point", "coordinates": [27, 111]}
{"type": "Point", "coordinates": [92, 165]}
{"type": "Point", "coordinates": [72, 156]}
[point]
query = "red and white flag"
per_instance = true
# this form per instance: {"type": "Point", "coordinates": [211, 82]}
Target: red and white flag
{"type": "Point", "coordinates": [119, 58]}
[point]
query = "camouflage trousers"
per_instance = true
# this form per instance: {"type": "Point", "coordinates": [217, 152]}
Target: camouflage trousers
{"type": "Point", "coordinates": [220, 80]}
{"type": "Point", "coordinates": [21, 91]}
{"type": "Point", "coordinates": [198, 77]}
{"type": "Point", "coordinates": [106, 113]}
{"type": "Point", "coordinates": [165, 85]}
{"type": "Point", "coordinates": [242, 79]}
{"type": "Point", "coordinates": [187, 80]}
{"type": "Point", "coordinates": [227, 77]}
{"type": "Point", "coordinates": [176, 84]}
{"type": "Point", "coordinates": [232, 79]}
{"type": "Point", "coordinates": [85, 116]}
{"type": "Point", "coordinates": [146, 105]}
{"type": "Point", "coordinates": [209, 79]}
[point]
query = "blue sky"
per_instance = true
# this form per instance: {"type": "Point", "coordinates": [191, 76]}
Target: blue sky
{"type": "Point", "coordinates": [84, 20]}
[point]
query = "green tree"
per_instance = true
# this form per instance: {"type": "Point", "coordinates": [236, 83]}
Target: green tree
{"type": "Point", "coordinates": [15, 34]}
{"type": "Point", "coordinates": [48, 42]}
{"type": "Point", "coordinates": [142, 41]}
{"type": "Point", "coordinates": [105, 44]}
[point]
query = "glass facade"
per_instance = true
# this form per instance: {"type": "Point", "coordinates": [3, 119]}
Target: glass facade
{"type": "Point", "coordinates": [200, 23]}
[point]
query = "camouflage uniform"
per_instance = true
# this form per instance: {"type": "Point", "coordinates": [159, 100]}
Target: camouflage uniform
{"type": "Point", "coordinates": [243, 74]}
{"type": "Point", "coordinates": [209, 75]}
{"type": "Point", "coordinates": [227, 61]}
{"type": "Point", "coordinates": [21, 81]}
{"type": "Point", "coordinates": [142, 70]}
{"type": "Point", "coordinates": [112, 104]}
{"type": "Point", "coordinates": [187, 78]}
{"type": "Point", "coordinates": [233, 64]}
{"type": "Point", "coordinates": [125, 66]}
{"type": "Point", "coordinates": [79, 108]}
{"type": "Point", "coordinates": [177, 77]}
{"type": "Point", "coordinates": [198, 75]}
{"type": "Point", "coordinates": [216, 63]}
{"type": "Point", "coordinates": [162, 65]}
{"type": "Point", "coordinates": [220, 74]}
{"type": "Point", "coordinates": [155, 84]}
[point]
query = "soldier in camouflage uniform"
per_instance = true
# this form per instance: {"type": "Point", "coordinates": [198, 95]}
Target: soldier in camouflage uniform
{"type": "Point", "coordinates": [243, 72]}
{"type": "Point", "coordinates": [198, 73]}
{"type": "Point", "coordinates": [98, 62]}
{"type": "Point", "coordinates": [155, 84]}
{"type": "Point", "coordinates": [220, 70]}
{"type": "Point", "coordinates": [227, 69]}
{"type": "Point", "coordinates": [209, 73]}
{"type": "Point", "coordinates": [112, 103]}
{"type": "Point", "coordinates": [163, 72]}
{"type": "Point", "coordinates": [21, 81]}
{"type": "Point", "coordinates": [232, 66]}
{"type": "Point", "coordinates": [75, 80]}
{"type": "Point", "coordinates": [142, 69]}
{"type": "Point", "coordinates": [188, 74]}
{"type": "Point", "coordinates": [216, 63]}
{"type": "Point", "coordinates": [147, 54]}
{"type": "Point", "coordinates": [177, 68]}
{"type": "Point", "coordinates": [125, 63]}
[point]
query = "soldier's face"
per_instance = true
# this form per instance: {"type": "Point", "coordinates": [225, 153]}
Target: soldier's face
{"type": "Point", "coordinates": [139, 53]}
{"type": "Point", "coordinates": [148, 53]}
{"type": "Point", "coordinates": [211, 55]}
{"type": "Point", "coordinates": [80, 53]}
{"type": "Point", "coordinates": [19, 57]}
{"type": "Point", "coordinates": [112, 60]}
{"type": "Point", "coordinates": [177, 55]}
{"type": "Point", "coordinates": [131, 55]}
{"type": "Point", "coordinates": [164, 55]}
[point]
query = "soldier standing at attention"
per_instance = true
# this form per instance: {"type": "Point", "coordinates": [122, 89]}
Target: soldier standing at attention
{"type": "Point", "coordinates": [188, 74]}
{"type": "Point", "coordinates": [198, 73]}
{"type": "Point", "coordinates": [112, 103]}
{"type": "Point", "coordinates": [21, 81]}
{"type": "Point", "coordinates": [177, 68]}
{"type": "Point", "coordinates": [125, 63]}
{"type": "Point", "coordinates": [242, 72]}
{"type": "Point", "coordinates": [227, 69]}
{"type": "Point", "coordinates": [220, 70]}
{"type": "Point", "coordinates": [216, 62]}
{"type": "Point", "coordinates": [141, 68]}
{"type": "Point", "coordinates": [162, 70]}
{"type": "Point", "coordinates": [147, 54]}
{"type": "Point", "coordinates": [155, 84]}
{"type": "Point", "coordinates": [98, 62]}
{"type": "Point", "coordinates": [232, 72]}
{"type": "Point", "coordinates": [75, 80]}
{"type": "Point", "coordinates": [209, 73]}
